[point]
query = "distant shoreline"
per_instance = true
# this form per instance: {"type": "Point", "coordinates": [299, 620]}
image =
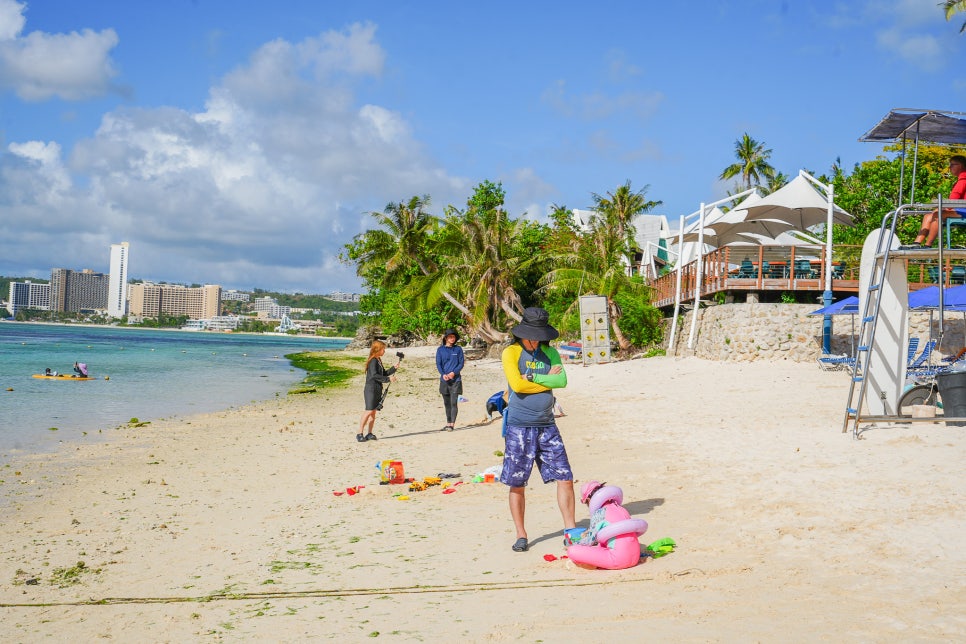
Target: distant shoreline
{"type": "Point", "coordinates": [150, 328]}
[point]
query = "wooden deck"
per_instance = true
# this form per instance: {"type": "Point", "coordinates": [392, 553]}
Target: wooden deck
{"type": "Point", "coordinates": [795, 269]}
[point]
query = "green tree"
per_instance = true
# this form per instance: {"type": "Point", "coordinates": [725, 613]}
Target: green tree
{"type": "Point", "coordinates": [618, 210]}
{"type": "Point", "coordinates": [477, 260]}
{"type": "Point", "coordinates": [386, 256]}
{"type": "Point", "coordinates": [752, 164]}
{"type": "Point", "coordinates": [597, 262]}
{"type": "Point", "coordinates": [952, 7]}
{"type": "Point", "coordinates": [871, 190]}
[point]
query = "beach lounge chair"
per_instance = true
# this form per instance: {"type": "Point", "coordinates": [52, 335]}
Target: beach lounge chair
{"type": "Point", "coordinates": [913, 347]}
{"type": "Point", "coordinates": [921, 363]}
{"type": "Point", "coordinates": [835, 362]}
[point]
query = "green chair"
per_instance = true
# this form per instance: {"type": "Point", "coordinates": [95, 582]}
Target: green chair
{"type": "Point", "coordinates": [803, 269]}
{"type": "Point", "coordinates": [747, 270]}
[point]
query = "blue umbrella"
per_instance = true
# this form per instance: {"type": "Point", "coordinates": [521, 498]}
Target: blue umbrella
{"type": "Point", "coordinates": [846, 306]}
{"type": "Point", "coordinates": [954, 298]}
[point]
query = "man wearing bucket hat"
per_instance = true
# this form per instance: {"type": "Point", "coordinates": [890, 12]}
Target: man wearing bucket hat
{"type": "Point", "coordinates": [533, 369]}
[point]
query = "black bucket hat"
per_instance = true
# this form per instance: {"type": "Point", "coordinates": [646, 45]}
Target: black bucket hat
{"type": "Point", "coordinates": [535, 326]}
{"type": "Point", "coordinates": [449, 332]}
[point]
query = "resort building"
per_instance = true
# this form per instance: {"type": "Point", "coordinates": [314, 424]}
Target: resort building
{"type": "Point", "coordinates": [77, 291]}
{"type": "Point", "coordinates": [650, 241]}
{"type": "Point", "coordinates": [28, 295]}
{"type": "Point", "coordinates": [149, 300]}
{"type": "Point", "coordinates": [238, 296]}
{"type": "Point", "coordinates": [217, 323]}
{"type": "Point", "coordinates": [117, 281]}
{"type": "Point", "coordinates": [339, 296]}
{"type": "Point", "coordinates": [268, 307]}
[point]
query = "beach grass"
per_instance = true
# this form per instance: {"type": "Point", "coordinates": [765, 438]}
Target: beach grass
{"type": "Point", "coordinates": [324, 369]}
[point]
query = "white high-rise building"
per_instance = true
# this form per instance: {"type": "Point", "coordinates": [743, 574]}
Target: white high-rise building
{"type": "Point", "coordinates": [117, 289]}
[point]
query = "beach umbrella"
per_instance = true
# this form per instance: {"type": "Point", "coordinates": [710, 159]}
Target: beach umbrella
{"type": "Point", "coordinates": [845, 306]}
{"type": "Point", "coordinates": [954, 298]}
{"type": "Point", "coordinates": [799, 204]}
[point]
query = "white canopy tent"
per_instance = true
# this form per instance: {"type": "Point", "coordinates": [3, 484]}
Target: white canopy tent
{"type": "Point", "coordinates": [799, 204]}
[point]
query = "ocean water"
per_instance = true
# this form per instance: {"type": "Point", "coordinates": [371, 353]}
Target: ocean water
{"type": "Point", "coordinates": [138, 373]}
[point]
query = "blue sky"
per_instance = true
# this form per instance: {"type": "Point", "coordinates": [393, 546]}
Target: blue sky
{"type": "Point", "coordinates": [243, 143]}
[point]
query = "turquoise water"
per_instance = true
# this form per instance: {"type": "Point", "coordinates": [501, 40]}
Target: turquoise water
{"type": "Point", "coordinates": [138, 373]}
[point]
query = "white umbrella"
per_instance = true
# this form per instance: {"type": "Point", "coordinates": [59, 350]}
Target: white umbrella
{"type": "Point", "coordinates": [734, 224]}
{"type": "Point", "coordinates": [691, 231]}
{"type": "Point", "coordinates": [724, 228]}
{"type": "Point", "coordinates": [798, 204]}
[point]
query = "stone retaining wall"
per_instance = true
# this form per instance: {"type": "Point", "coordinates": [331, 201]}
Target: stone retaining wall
{"type": "Point", "coordinates": [745, 332]}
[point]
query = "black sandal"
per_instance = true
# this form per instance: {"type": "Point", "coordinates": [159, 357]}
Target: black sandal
{"type": "Point", "coordinates": [370, 436]}
{"type": "Point", "coordinates": [521, 545]}
{"type": "Point", "coordinates": [360, 438]}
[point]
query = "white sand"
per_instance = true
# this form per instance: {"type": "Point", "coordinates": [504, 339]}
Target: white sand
{"type": "Point", "coordinates": [225, 526]}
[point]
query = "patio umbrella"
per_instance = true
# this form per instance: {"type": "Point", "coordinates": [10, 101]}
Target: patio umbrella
{"type": "Point", "coordinates": [845, 306]}
{"type": "Point", "coordinates": [724, 228]}
{"type": "Point", "coordinates": [954, 298]}
{"type": "Point", "coordinates": [799, 204]}
{"type": "Point", "coordinates": [736, 222]}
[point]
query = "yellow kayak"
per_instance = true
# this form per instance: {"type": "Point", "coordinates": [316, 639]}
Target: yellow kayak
{"type": "Point", "coordinates": [63, 377]}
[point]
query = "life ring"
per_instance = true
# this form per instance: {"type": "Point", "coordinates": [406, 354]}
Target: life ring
{"type": "Point", "coordinates": [636, 527]}
{"type": "Point", "coordinates": [603, 495]}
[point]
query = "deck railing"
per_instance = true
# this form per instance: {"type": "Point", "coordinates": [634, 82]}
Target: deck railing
{"type": "Point", "coordinates": [787, 268]}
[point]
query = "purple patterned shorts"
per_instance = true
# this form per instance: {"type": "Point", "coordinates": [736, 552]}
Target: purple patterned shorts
{"type": "Point", "coordinates": [528, 445]}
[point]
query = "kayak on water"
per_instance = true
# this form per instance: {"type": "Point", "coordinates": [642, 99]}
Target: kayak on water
{"type": "Point", "coordinates": [63, 377]}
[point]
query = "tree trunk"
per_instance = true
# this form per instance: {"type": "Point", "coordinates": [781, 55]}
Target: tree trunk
{"type": "Point", "coordinates": [622, 341]}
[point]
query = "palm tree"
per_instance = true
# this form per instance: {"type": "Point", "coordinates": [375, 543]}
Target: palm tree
{"type": "Point", "coordinates": [401, 244]}
{"type": "Point", "coordinates": [596, 262]}
{"type": "Point", "coordinates": [478, 263]}
{"type": "Point", "coordinates": [752, 163]}
{"type": "Point", "coordinates": [952, 7]}
{"type": "Point", "coordinates": [619, 208]}
{"type": "Point", "coordinates": [776, 181]}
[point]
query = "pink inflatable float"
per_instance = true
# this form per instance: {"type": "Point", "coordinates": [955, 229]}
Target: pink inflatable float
{"type": "Point", "coordinates": [611, 540]}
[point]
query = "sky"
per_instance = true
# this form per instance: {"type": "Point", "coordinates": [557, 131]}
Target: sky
{"type": "Point", "coordinates": [245, 143]}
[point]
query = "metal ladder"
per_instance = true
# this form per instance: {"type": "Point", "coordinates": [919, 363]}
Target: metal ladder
{"type": "Point", "coordinates": [870, 312]}
{"type": "Point", "coordinates": [869, 320]}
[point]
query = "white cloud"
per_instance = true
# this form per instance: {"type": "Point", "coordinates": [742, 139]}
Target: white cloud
{"type": "Point", "coordinates": [594, 106]}
{"type": "Point", "coordinates": [39, 66]}
{"type": "Point", "coordinates": [921, 50]}
{"type": "Point", "coordinates": [261, 188]}
{"type": "Point", "coordinates": [909, 31]}
{"type": "Point", "coordinates": [12, 19]}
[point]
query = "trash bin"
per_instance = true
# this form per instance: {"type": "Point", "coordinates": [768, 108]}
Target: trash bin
{"type": "Point", "coordinates": [952, 389]}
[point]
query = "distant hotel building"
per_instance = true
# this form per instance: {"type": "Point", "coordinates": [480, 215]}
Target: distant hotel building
{"type": "Point", "coordinates": [235, 295]}
{"type": "Point", "coordinates": [149, 300]}
{"type": "Point", "coordinates": [29, 295]}
{"type": "Point", "coordinates": [268, 307]}
{"type": "Point", "coordinates": [117, 283]}
{"type": "Point", "coordinates": [74, 291]}
{"type": "Point", "coordinates": [219, 323]}
{"type": "Point", "coordinates": [339, 296]}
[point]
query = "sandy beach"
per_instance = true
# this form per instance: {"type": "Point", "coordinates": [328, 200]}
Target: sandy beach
{"type": "Point", "coordinates": [226, 527]}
